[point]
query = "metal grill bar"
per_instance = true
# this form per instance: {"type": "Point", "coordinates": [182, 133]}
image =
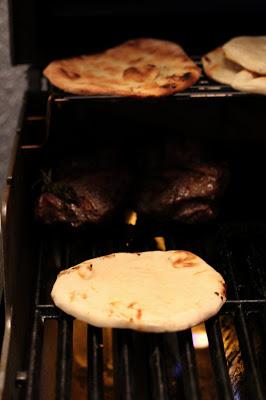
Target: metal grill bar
{"type": "Point", "coordinates": [95, 363]}
{"type": "Point", "coordinates": [256, 260]}
{"type": "Point", "coordinates": [255, 386]}
{"type": "Point", "coordinates": [123, 365]}
{"type": "Point", "coordinates": [64, 359]}
{"type": "Point", "coordinates": [157, 369]}
{"type": "Point", "coordinates": [225, 258]}
{"type": "Point", "coordinates": [189, 370]}
{"type": "Point", "coordinates": [262, 315]}
{"type": "Point", "coordinates": [32, 391]}
{"type": "Point", "coordinates": [216, 347]}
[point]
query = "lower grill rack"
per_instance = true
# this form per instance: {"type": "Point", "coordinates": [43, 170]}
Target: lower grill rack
{"type": "Point", "coordinates": [223, 359]}
{"type": "Point", "coordinates": [155, 373]}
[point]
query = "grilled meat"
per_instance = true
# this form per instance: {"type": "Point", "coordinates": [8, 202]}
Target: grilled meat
{"type": "Point", "coordinates": [82, 197]}
{"type": "Point", "coordinates": [195, 211]}
{"type": "Point", "coordinates": [189, 194]}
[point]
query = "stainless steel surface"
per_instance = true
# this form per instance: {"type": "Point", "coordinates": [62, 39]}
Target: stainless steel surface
{"type": "Point", "coordinates": [12, 84]}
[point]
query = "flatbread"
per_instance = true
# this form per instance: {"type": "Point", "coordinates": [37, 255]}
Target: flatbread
{"type": "Point", "coordinates": [248, 51]}
{"type": "Point", "coordinates": [217, 67]}
{"type": "Point", "coordinates": [250, 82]}
{"type": "Point", "coordinates": [154, 291]}
{"type": "Point", "coordinates": [142, 67]}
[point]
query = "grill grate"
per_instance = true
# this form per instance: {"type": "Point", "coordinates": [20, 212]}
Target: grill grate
{"type": "Point", "coordinates": [141, 361]}
{"type": "Point", "coordinates": [95, 363]}
{"type": "Point", "coordinates": [219, 360]}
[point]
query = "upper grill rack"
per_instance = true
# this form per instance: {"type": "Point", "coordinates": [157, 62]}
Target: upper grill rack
{"type": "Point", "coordinates": [141, 360]}
{"type": "Point", "coordinates": [205, 87]}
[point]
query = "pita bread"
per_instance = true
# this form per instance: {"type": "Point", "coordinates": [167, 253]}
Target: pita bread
{"type": "Point", "coordinates": [154, 291]}
{"type": "Point", "coordinates": [217, 67]}
{"type": "Point", "coordinates": [142, 67]}
{"type": "Point", "coordinates": [250, 82]}
{"type": "Point", "coordinates": [248, 51]}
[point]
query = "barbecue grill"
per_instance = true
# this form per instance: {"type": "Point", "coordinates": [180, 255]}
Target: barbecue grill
{"type": "Point", "coordinates": [38, 357]}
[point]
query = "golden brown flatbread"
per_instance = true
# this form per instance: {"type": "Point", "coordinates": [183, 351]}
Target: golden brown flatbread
{"type": "Point", "coordinates": [141, 67]}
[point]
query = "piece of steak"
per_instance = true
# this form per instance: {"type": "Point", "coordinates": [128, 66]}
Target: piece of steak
{"type": "Point", "coordinates": [82, 197]}
{"type": "Point", "coordinates": [187, 194]}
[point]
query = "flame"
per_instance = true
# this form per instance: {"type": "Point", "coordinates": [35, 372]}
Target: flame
{"type": "Point", "coordinates": [131, 217]}
{"type": "Point", "coordinates": [199, 337]}
{"type": "Point", "coordinates": [160, 243]}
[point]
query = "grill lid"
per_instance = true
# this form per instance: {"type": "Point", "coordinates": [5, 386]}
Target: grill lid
{"type": "Point", "coordinates": [41, 31]}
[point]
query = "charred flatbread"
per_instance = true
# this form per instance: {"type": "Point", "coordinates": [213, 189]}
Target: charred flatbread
{"type": "Point", "coordinates": [154, 291]}
{"type": "Point", "coordinates": [141, 67]}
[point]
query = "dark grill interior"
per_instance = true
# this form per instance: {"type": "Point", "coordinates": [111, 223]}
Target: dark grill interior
{"type": "Point", "coordinates": [64, 28]}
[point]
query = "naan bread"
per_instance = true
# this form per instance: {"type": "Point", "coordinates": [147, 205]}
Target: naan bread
{"type": "Point", "coordinates": [248, 51]}
{"type": "Point", "coordinates": [154, 291]}
{"type": "Point", "coordinates": [217, 67]}
{"type": "Point", "coordinates": [142, 67]}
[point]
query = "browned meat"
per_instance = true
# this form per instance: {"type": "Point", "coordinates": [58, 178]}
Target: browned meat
{"type": "Point", "coordinates": [83, 197]}
{"type": "Point", "coordinates": [195, 211]}
{"type": "Point", "coordinates": [187, 195]}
